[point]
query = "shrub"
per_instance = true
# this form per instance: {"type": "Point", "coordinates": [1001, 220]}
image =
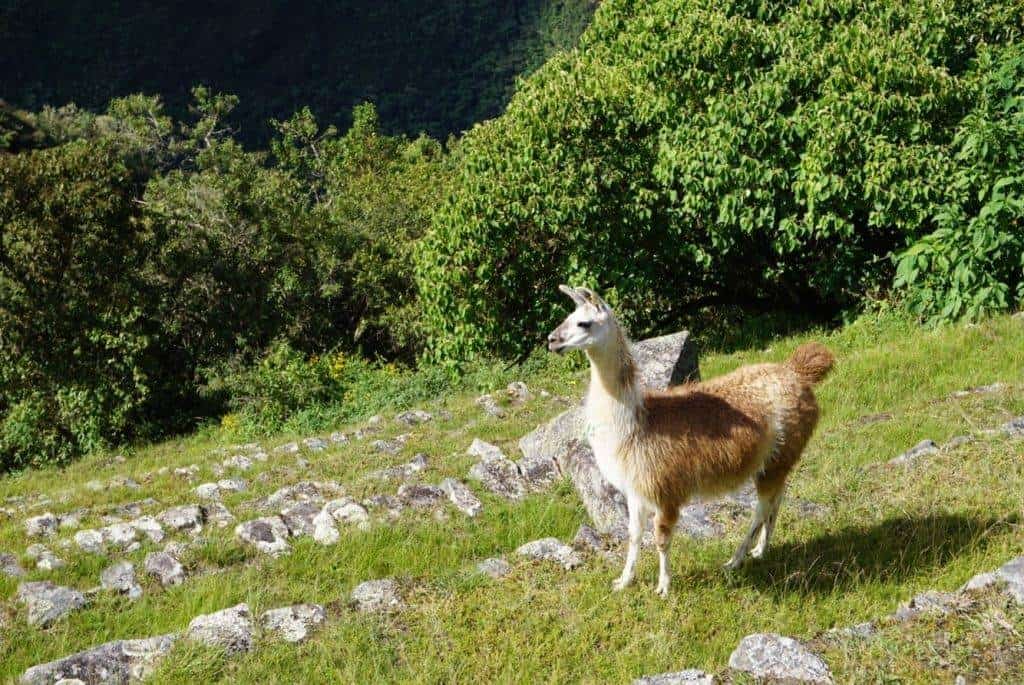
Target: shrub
{"type": "Point", "coordinates": [762, 155]}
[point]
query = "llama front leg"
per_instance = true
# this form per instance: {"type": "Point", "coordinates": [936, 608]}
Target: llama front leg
{"type": "Point", "coordinates": [663, 525]}
{"type": "Point", "coordinates": [636, 531]}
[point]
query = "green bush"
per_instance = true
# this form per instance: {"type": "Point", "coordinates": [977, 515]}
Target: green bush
{"type": "Point", "coordinates": [686, 155]}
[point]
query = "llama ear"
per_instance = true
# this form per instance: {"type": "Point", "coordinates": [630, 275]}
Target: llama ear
{"type": "Point", "coordinates": [593, 299]}
{"type": "Point", "coordinates": [573, 293]}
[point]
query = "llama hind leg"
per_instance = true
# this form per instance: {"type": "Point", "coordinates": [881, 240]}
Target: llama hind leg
{"type": "Point", "coordinates": [637, 514]}
{"type": "Point", "coordinates": [774, 500]}
{"type": "Point", "coordinates": [663, 524]}
{"type": "Point", "coordinates": [756, 524]}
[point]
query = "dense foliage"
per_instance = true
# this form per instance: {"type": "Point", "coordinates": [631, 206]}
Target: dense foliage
{"type": "Point", "coordinates": [144, 262]}
{"type": "Point", "coordinates": [763, 154]}
{"type": "Point", "coordinates": [436, 67]}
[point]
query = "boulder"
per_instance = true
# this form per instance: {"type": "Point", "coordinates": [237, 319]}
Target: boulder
{"type": "Point", "coordinates": [217, 514]}
{"type": "Point", "coordinates": [294, 623]}
{"type": "Point", "coordinates": [47, 602]}
{"type": "Point", "coordinates": [377, 596]}
{"type": "Point", "coordinates": [776, 658]}
{"type": "Point", "coordinates": [90, 541]}
{"type": "Point", "coordinates": [230, 629]}
{"type": "Point", "coordinates": [315, 444]}
{"type": "Point", "coordinates": [690, 676]}
{"type": "Point", "coordinates": [299, 517]}
{"type": "Point", "coordinates": [552, 549]}
{"type": "Point", "coordinates": [42, 526]}
{"type": "Point", "coordinates": [269, 535]}
{"type": "Point", "coordinates": [1010, 575]}
{"type": "Point", "coordinates": [414, 417]}
{"type": "Point", "coordinates": [9, 566]}
{"type": "Point", "coordinates": [165, 568]}
{"type": "Point", "coordinates": [420, 496]}
{"type": "Point", "coordinates": [663, 362]}
{"type": "Point", "coordinates": [120, 577]}
{"type": "Point", "coordinates": [495, 567]}
{"type": "Point", "coordinates": [120, 661]}
{"type": "Point", "coordinates": [119, 534]}
{"type": "Point", "coordinates": [461, 497]}
{"type": "Point", "coordinates": [495, 471]}
{"type": "Point", "coordinates": [45, 559]}
{"type": "Point", "coordinates": [188, 518]}
{"type": "Point", "coordinates": [150, 527]}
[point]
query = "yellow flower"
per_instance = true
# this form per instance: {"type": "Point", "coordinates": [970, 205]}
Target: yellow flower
{"type": "Point", "coordinates": [337, 365]}
{"type": "Point", "coordinates": [229, 422]}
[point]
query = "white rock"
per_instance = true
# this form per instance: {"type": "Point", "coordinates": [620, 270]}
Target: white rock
{"type": "Point", "coordinates": [230, 629]}
{"type": "Point", "coordinates": [165, 568]}
{"type": "Point", "coordinates": [690, 676]}
{"type": "Point", "coordinates": [462, 497]}
{"type": "Point", "coordinates": [377, 596]}
{"type": "Point", "coordinates": [90, 541]}
{"type": "Point", "coordinates": [552, 549]}
{"type": "Point", "coordinates": [269, 535]}
{"type": "Point", "coordinates": [42, 526]}
{"type": "Point", "coordinates": [294, 623]}
{"type": "Point", "coordinates": [495, 567]}
{"type": "Point", "coordinates": [774, 657]}
{"type": "Point", "coordinates": [47, 602]}
{"type": "Point", "coordinates": [188, 518]}
{"type": "Point", "coordinates": [119, 534]}
{"type": "Point", "coordinates": [150, 527]}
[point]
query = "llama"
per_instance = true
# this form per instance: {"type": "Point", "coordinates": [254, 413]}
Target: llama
{"type": "Point", "coordinates": [662, 447]}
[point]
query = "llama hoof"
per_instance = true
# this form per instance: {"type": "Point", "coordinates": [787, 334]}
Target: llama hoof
{"type": "Point", "coordinates": [757, 553]}
{"type": "Point", "coordinates": [662, 590]}
{"type": "Point", "coordinates": [732, 565]}
{"type": "Point", "coordinates": [621, 584]}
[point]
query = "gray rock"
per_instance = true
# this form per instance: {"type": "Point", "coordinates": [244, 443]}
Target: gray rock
{"type": "Point", "coordinates": [1014, 428]}
{"type": "Point", "coordinates": [490, 407]}
{"type": "Point", "coordinates": [47, 602]}
{"type": "Point", "coordinates": [230, 629]}
{"type": "Point", "coordinates": [188, 518]}
{"type": "Point", "coordinates": [45, 559]}
{"type": "Point", "coordinates": [605, 504]}
{"type": "Point", "coordinates": [165, 568]}
{"type": "Point", "coordinates": [9, 566]}
{"type": "Point", "coordinates": [119, 534]}
{"type": "Point", "coordinates": [403, 471]}
{"type": "Point", "coordinates": [957, 442]}
{"type": "Point", "coordinates": [420, 496]}
{"type": "Point", "coordinates": [344, 511]}
{"type": "Point", "coordinates": [299, 517]}
{"type": "Point", "coordinates": [120, 661]}
{"type": "Point", "coordinates": [391, 505]}
{"type": "Point", "coordinates": [238, 461]}
{"type": "Point", "coordinates": [667, 360]}
{"type": "Point", "coordinates": [495, 567]}
{"type": "Point", "coordinates": [338, 438]}
{"type": "Point", "coordinates": [552, 549]}
{"type": "Point", "coordinates": [294, 623]}
{"type": "Point", "coordinates": [150, 527]}
{"type": "Point", "coordinates": [414, 417]}
{"type": "Point", "coordinates": [859, 631]}
{"type": "Point", "coordinates": [377, 596]}
{"type": "Point", "coordinates": [207, 491]}
{"type": "Point", "coordinates": [776, 658]}
{"type": "Point", "coordinates": [90, 541]}
{"type": "Point", "coordinates": [980, 390]}
{"type": "Point", "coordinates": [71, 520]}
{"type": "Point", "coordinates": [287, 448]}
{"type": "Point", "coordinates": [930, 601]}
{"type": "Point", "coordinates": [690, 676]}
{"type": "Point", "coordinates": [461, 497]}
{"type": "Point", "coordinates": [42, 526]}
{"type": "Point", "coordinates": [187, 472]}
{"type": "Point", "coordinates": [391, 447]}
{"type": "Point", "coordinates": [518, 392]}
{"type": "Point", "coordinates": [269, 535]}
{"type": "Point", "coordinates": [217, 514]}
{"type": "Point", "coordinates": [921, 449]}
{"type": "Point", "coordinates": [588, 540]}
{"type": "Point", "coordinates": [495, 471]}
{"type": "Point", "coordinates": [124, 482]}
{"type": "Point", "coordinates": [303, 491]}
{"type": "Point", "coordinates": [1010, 576]}
{"type": "Point", "coordinates": [120, 577]}
{"type": "Point", "coordinates": [315, 444]}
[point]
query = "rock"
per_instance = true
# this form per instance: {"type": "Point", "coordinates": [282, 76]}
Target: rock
{"type": "Point", "coordinates": [150, 527]}
{"type": "Point", "coordinates": [47, 602]}
{"type": "Point", "coordinates": [930, 601]}
{"type": "Point", "coordinates": [120, 661]}
{"type": "Point", "coordinates": [414, 417]}
{"type": "Point", "coordinates": [668, 360]}
{"type": "Point", "coordinates": [338, 438]}
{"type": "Point", "coordinates": [858, 631]}
{"type": "Point", "coordinates": [293, 623]}
{"type": "Point", "coordinates": [495, 471]}
{"type": "Point", "coordinates": [315, 444]}
{"type": "Point", "coordinates": [165, 568]}
{"type": "Point", "coordinates": [377, 596]}
{"type": "Point", "coordinates": [44, 558]}
{"type": "Point", "coordinates": [343, 511]}
{"type": "Point", "coordinates": [187, 472]}
{"type": "Point", "coordinates": [1010, 575]}
{"type": "Point", "coordinates": [776, 658]}
{"type": "Point", "coordinates": [124, 482]}
{"type": "Point", "coordinates": [461, 497]}
{"type": "Point", "coordinates": [269, 535]}
{"type": "Point", "coordinates": [303, 491]}
{"type": "Point", "coordinates": [217, 514]}
{"type": "Point", "coordinates": [188, 518]}
{"type": "Point", "coordinates": [690, 676]}
{"type": "Point", "coordinates": [495, 567]}
{"type": "Point", "coordinates": [230, 629]}
{"type": "Point", "coordinates": [176, 549]}
{"type": "Point", "coordinates": [552, 549]}
{"type": "Point", "coordinates": [957, 442]}
{"type": "Point", "coordinates": [605, 505]}
{"type": "Point", "coordinates": [392, 447]}
{"type": "Point", "coordinates": [119, 534]}
{"type": "Point", "coordinates": [1014, 428]}
{"type": "Point", "coordinates": [921, 449]}
{"type": "Point", "coordinates": [588, 540]}
{"type": "Point", "coordinates": [120, 577]}
{"type": "Point", "coordinates": [71, 520]}
{"type": "Point", "coordinates": [90, 541]}
{"type": "Point", "coordinates": [287, 448]}
{"type": "Point", "coordinates": [207, 491]}
{"type": "Point", "coordinates": [518, 392]}
{"type": "Point", "coordinates": [980, 390]}
{"type": "Point", "coordinates": [403, 471]}
{"type": "Point", "coordinates": [42, 526]}
{"type": "Point", "coordinates": [9, 566]}
{"type": "Point", "coordinates": [95, 486]}
{"type": "Point", "coordinates": [490, 407]}
{"type": "Point", "coordinates": [299, 517]}
{"type": "Point", "coordinates": [238, 461]}
{"type": "Point", "coordinates": [389, 503]}
{"type": "Point", "coordinates": [420, 496]}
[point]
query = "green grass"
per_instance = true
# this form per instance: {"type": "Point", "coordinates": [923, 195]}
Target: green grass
{"type": "Point", "coordinates": [891, 533]}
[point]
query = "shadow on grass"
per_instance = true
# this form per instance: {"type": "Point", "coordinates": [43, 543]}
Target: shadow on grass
{"type": "Point", "coordinates": [888, 552]}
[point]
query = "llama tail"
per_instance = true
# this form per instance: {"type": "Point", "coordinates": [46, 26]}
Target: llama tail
{"type": "Point", "coordinates": [811, 362]}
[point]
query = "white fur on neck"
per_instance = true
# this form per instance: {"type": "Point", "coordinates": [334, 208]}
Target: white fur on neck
{"type": "Point", "coordinates": [612, 410]}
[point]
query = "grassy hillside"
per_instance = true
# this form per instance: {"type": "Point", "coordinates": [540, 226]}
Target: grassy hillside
{"type": "Point", "coordinates": [437, 67]}
{"type": "Point", "coordinates": [889, 533]}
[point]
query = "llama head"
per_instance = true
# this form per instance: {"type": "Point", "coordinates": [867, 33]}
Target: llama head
{"type": "Point", "coordinates": [590, 324]}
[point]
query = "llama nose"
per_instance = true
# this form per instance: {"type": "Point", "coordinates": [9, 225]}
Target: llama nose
{"type": "Point", "coordinates": [553, 338]}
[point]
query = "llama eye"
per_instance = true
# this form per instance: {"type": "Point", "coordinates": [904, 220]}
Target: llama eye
{"type": "Point", "coordinates": [584, 324]}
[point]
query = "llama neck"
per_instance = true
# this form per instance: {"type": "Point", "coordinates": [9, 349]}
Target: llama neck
{"type": "Point", "coordinates": [614, 388]}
